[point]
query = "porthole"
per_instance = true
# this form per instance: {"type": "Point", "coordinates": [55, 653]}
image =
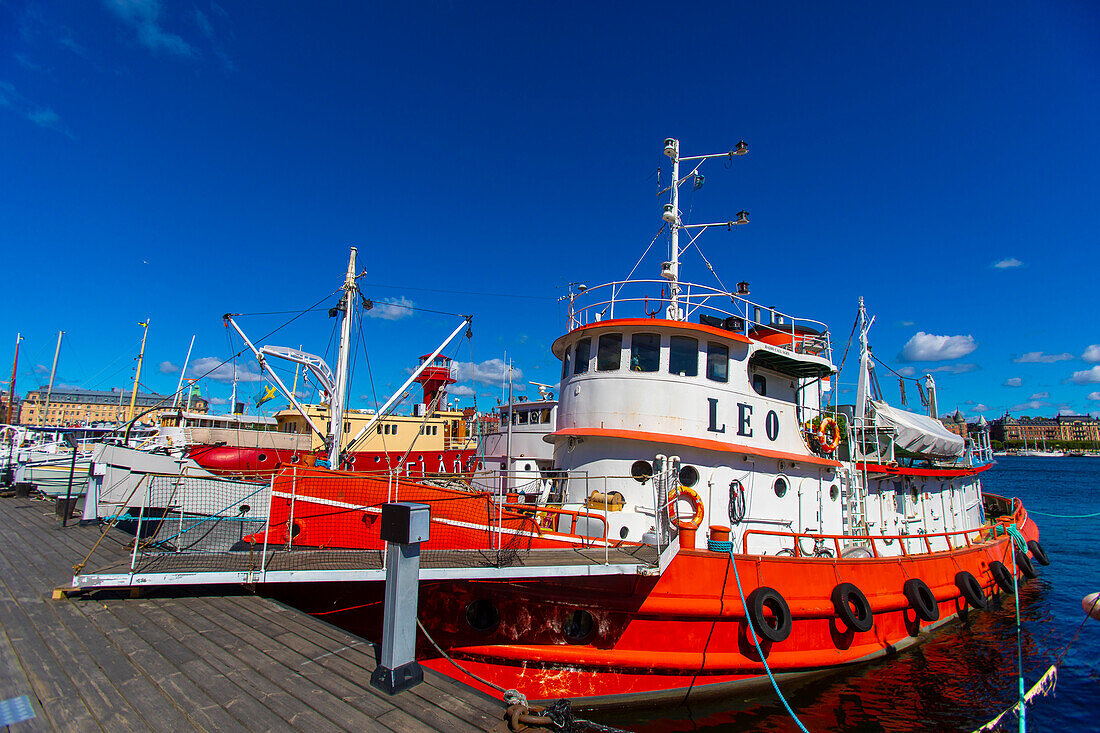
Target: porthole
{"type": "Point", "coordinates": [780, 486]}
{"type": "Point", "coordinates": [378, 459]}
{"type": "Point", "coordinates": [482, 615]}
{"type": "Point", "coordinates": [262, 457]}
{"type": "Point", "coordinates": [834, 492]}
{"type": "Point", "coordinates": [526, 466]}
{"type": "Point", "coordinates": [295, 458]}
{"type": "Point", "coordinates": [689, 476]}
{"type": "Point", "coordinates": [295, 530]}
{"type": "Point", "coordinates": [624, 532]}
{"type": "Point", "coordinates": [244, 509]}
{"type": "Point", "coordinates": [642, 471]}
{"type": "Point", "coordinates": [578, 627]}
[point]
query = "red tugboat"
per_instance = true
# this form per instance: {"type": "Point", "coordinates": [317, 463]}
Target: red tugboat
{"type": "Point", "coordinates": [808, 535]}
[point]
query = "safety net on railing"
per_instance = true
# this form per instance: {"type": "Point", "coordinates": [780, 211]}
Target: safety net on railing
{"type": "Point", "coordinates": [317, 519]}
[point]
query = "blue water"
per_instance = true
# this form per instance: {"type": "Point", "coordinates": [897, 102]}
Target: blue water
{"type": "Point", "coordinates": [966, 673]}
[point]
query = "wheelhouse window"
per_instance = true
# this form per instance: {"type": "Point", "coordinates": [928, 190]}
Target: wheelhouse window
{"type": "Point", "coordinates": [683, 356]}
{"type": "Point", "coordinates": [584, 353]}
{"type": "Point", "coordinates": [565, 362]}
{"type": "Point", "coordinates": [609, 353]}
{"type": "Point", "coordinates": [523, 417]}
{"type": "Point", "coordinates": [645, 352]}
{"type": "Point", "coordinates": [718, 362]}
{"type": "Point", "coordinates": [760, 384]}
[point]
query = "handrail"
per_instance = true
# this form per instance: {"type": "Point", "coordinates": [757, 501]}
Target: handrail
{"type": "Point", "coordinates": [836, 538]}
{"type": "Point", "coordinates": [585, 308]}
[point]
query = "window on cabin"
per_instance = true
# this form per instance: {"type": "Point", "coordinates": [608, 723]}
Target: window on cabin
{"type": "Point", "coordinates": [546, 416]}
{"type": "Point", "coordinates": [609, 354]}
{"type": "Point", "coordinates": [718, 358]}
{"type": "Point", "coordinates": [645, 352]}
{"type": "Point", "coordinates": [584, 353]}
{"type": "Point", "coordinates": [522, 417]}
{"type": "Point", "coordinates": [565, 362]}
{"type": "Point", "coordinates": [683, 356]}
{"type": "Point", "coordinates": [759, 384]}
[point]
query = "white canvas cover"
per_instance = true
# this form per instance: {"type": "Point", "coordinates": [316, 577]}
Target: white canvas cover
{"type": "Point", "coordinates": [919, 434]}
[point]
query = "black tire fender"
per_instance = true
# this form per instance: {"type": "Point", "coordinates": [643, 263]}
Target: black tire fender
{"type": "Point", "coordinates": [852, 607]}
{"type": "Point", "coordinates": [1038, 552]}
{"type": "Point", "coordinates": [1024, 564]}
{"type": "Point", "coordinates": [1002, 575]}
{"type": "Point", "coordinates": [781, 614]}
{"type": "Point", "coordinates": [971, 589]}
{"type": "Point", "coordinates": [921, 599]}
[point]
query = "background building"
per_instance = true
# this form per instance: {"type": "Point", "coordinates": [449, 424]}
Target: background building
{"type": "Point", "coordinates": [4, 399]}
{"type": "Point", "coordinates": [83, 406]}
{"type": "Point", "coordinates": [1052, 430]}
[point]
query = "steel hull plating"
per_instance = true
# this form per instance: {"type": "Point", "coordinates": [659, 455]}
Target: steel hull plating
{"type": "Point", "coordinates": [685, 633]}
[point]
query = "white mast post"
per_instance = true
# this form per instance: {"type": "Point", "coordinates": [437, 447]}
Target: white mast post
{"type": "Point", "coordinates": [338, 398]}
{"type": "Point", "coordinates": [186, 359]}
{"type": "Point", "coordinates": [53, 371]}
{"type": "Point", "coordinates": [672, 150]}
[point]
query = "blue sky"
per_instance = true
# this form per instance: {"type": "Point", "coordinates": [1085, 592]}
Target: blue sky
{"type": "Point", "coordinates": [180, 160]}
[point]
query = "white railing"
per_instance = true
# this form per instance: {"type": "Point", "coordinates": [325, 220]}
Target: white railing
{"type": "Point", "coordinates": [637, 298]}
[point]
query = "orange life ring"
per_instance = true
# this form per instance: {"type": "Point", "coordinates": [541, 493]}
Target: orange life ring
{"type": "Point", "coordinates": [829, 434]}
{"type": "Point", "coordinates": [696, 502]}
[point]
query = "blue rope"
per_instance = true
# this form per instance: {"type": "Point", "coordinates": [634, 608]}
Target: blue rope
{"type": "Point", "coordinates": [726, 546]}
{"type": "Point", "coordinates": [1065, 516]}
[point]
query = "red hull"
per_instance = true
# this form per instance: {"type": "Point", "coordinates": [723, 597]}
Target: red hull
{"type": "Point", "coordinates": [264, 462]}
{"type": "Point", "coordinates": [685, 633]}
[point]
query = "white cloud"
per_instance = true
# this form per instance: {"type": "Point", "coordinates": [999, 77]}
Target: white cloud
{"type": "Point", "coordinates": [461, 390]}
{"type": "Point", "coordinates": [1038, 357]}
{"type": "Point", "coordinates": [490, 371]}
{"type": "Point", "coordinates": [1013, 382]}
{"type": "Point", "coordinates": [1068, 412]}
{"type": "Point", "coordinates": [956, 368]}
{"type": "Point", "coordinates": [979, 408]}
{"type": "Point", "coordinates": [222, 372]}
{"type": "Point", "coordinates": [929, 347]}
{"type": "Point", "coordinates": [1031, 405]}
{"type": "Point", "coordinates": [1007, 263]}
{"type": "Point", "coordinates": [1092, 354]}
{"type": "Point", "coordinates": [167, 367]}
{"type": "Point", "coordinates": [393, 310]}
{"type": "Point", "coordinates": [1087, 376]}
{"type": "Point", "coordinates": [217, 401]}
{"type": "Point", "coordinates": [39, 115]}
{"type": "Point", "coordinates": [906, 324]}
{"type": "Point", "coordinates": [1093, 396]}
{"type": "Point", "coordinates": [144, 17]}
{"type": "Point", "coordinates": [907, 371]}
{"type": "Point", "coordinates": [1040, 396]}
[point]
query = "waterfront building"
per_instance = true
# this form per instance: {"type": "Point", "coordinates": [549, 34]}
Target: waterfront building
{"type": "Point", "coordinates": [4, 400]}
{"type": "Point", "coordinates": [84, 406]}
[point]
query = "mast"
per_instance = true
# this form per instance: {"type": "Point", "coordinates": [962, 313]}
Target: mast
{"type": "Point", "coordinates": [179, 385]}
{"type": "Point", "coordinates": [11, 385]}
{"type": "Point", "coordinates": [53, 371]}
{"type": "Point", "coordinates": [671, 270]}
{"type": "Point", "coordinates": [137, 373]}
{"type": "Point", "coordinates": [508, 443]}
{"type": "Point", "coordinates": [864, 364]}
{"type": "Point", "coordinates": [338, 398]}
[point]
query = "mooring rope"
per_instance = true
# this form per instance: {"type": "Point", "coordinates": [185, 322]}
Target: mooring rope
{"type": "Point", "coordinates": [726, 546]}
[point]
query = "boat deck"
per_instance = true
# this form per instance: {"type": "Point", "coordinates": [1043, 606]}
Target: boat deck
{"type": "Point", "coordinates": [221, 659]}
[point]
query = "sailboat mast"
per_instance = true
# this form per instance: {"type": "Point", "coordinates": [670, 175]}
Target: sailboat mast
{"type": "Point", "coordinates": [186, 359]}
{"type": "Point", "coordinates": [137, 373]}
{"type": "Point", "coordinates": [53, 371]}
{"type": "Point", "coordinates": [338, 398]}
{"type": "Point", "coordinates": [11, 384]}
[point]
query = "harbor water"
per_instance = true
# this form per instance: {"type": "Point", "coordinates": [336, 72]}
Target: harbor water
{"type": "Point", "coordinates": [965, 674]}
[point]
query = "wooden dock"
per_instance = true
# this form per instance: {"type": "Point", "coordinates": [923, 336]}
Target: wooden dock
{"type": "Point", "coordinates": [220, 660]}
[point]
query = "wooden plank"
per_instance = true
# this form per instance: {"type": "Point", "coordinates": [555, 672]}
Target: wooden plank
{"type": "Point", "coordinates": [255, 650]}
{"type": "Point", "coordinates": [250, 703]}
